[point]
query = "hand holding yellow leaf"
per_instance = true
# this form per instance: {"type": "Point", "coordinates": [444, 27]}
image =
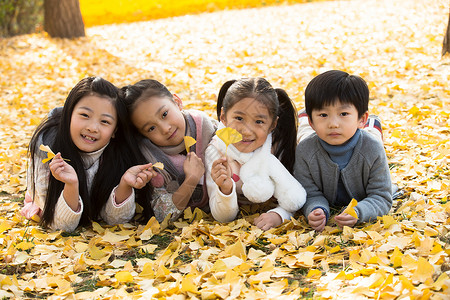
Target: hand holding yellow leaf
{"type": "Point", "coordinates": [50, 153]}
{"type": "Point", "coordinates": [229, 135]}
{"type": "Point", "coordinates": [350, 209]}
{"type": "Point", "coordinates": [188, 142]}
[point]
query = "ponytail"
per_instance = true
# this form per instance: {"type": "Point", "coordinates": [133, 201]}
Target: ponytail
{"type": "Point", "coordinates": [285, 134]}
{"type": "Point", "coordinates": [223, 91]}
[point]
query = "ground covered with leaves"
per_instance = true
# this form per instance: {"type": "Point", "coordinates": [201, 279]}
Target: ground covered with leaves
{"type": "Point", "coordinates": [394, 45]}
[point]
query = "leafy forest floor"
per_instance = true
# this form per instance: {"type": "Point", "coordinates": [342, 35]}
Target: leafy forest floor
{"type": "Point", "coordinates": [394, 45]}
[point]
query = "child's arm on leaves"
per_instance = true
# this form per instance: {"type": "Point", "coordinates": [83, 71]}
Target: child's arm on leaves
{"type": "Point", "coordinates": [268, 220]}
{"type": "Point", "coordinates": [135, 177]}
{"type": "Point", "coordinates": [194, 169]}
{"type": "Point", "coordinates": [317, 219]}
{"type": "Point", "coordinates": [345, 220]}
{"type": "Point", "coordinates": [65, 173]}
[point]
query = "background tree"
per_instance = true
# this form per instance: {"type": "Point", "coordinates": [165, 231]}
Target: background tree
{"type": "Point", "coordinates": [62, 18]}
{"type": "Point", "coordinates": [446, 44]}
{"type": "Point", "coordinates": [19, 16]}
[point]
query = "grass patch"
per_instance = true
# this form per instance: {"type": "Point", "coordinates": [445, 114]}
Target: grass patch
{"type": "Point", "coordinates": [35, 295]}
{"type": "Point", "coordinates": [7, 269]}
{"type": "Point", "coordinates": [161, 240]}
{"type": "Point", "coordinates": [88, 284]}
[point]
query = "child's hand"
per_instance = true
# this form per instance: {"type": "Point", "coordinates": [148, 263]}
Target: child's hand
{"type": "Point", "coordinates": [193, 167]}
{"type": "Point", "coordinates": [138, 176]}
{"type": "Point", "coordinates": [221, 174]}
{"type": "Point", "coordinates": [317, 219]}
{"type": "Point", "coordinates": [345, 220]}
{"type": "Point", "coordinates": [62, 171]}
{"type": "Point", "coordinates": [268, 220]}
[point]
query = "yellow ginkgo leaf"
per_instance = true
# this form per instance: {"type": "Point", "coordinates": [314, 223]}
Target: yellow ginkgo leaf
{"type": "Point", "coordinates": [24, 245]}
{"type": "Point", "coordinates": [350, 209]}
{"type": "Point", "coordinates": [158, 165]}
{"type": "Point", "coordinates": [188, 142]}
{"type": "Point", "coordinates": [124, 276]}
{"type": "Point", "coordinates": [50, 153]}
{"type": "Point", "coordinates": [229, 135]}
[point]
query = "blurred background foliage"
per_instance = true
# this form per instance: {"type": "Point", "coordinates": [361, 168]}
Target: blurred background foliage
{"type": "Point", "coordinates": [26, 16]}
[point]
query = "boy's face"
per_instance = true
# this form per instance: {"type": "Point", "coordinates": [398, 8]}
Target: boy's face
{"type": "Point", "coordinates": [337, 123]}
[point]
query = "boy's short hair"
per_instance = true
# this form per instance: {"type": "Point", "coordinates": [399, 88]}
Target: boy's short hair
{"type": "Point", "coordinates": [332, 86]}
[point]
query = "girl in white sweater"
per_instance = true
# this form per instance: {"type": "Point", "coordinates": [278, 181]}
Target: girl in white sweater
{"type": "Point", "coordinates": [94, 171]}
{"type": "Point", "coordinates": [247, 172]}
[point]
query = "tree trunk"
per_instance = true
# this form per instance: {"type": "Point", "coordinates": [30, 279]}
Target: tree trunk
{"type": "Point", "coordinates": [62, 18]}
{"type": "Point", "coordinates": [446, 44]}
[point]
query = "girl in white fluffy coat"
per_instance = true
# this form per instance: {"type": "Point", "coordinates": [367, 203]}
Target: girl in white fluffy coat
{"type": "Point", "coordinates": [247, 172]}
{"type": "Point", "coordinates": [94, 172]}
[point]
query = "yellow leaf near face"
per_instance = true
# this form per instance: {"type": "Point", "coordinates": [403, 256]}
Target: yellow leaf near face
{"type": "Point", "coordinates": [229, 135]}
{"type": "Point", "coordinates": [124, 276]}
{"type": "Point", "coordinates": [158, 165]}
{"type": "Point", "coordinates": [49, 151]}
{"type": "Point", "coordinates": [188, 142]}
{"type": "Point", "coordinates": [350, 209]}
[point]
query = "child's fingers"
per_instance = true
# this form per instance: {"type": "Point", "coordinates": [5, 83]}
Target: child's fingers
{"type": "Point", "coordinates": [148, 173]}
{"type": "Point", "coordinates": [139, 183]}
{"type": "Point", "coordinates": [191, 155]}
{"type": "Point", "coordinates": [221, 179]}
{"type": "Point", "coordinates": [316, 217]}
{"type": "Point", "coordinates": [219, 161]}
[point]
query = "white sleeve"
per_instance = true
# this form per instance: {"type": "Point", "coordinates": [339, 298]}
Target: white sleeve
{"type": "Point", "coordinates": [284, 214]}
{"type": "Point", "coordinates": [224, 208]}
{"type": "Point", "coordinates": [64, 217]}
{"type": "Point", "coordinates": [40, 180]}
{"type": "Point", "coordinates": [113, 213]}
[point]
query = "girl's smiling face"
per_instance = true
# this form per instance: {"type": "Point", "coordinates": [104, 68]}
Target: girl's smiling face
{"type": "Point", "coordinates": [252, 119]}
{"type": "Point", "coordinates": [93, 123]}
{"type": "Point", "coordinates": [160, 120]}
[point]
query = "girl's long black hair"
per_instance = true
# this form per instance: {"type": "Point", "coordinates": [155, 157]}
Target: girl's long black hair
{"type": "Point", "coordinates": [277, 101]}
{"type": "Point", "coordinates": [119, 155]}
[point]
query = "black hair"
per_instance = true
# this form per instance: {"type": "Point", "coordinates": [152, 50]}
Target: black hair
{"type": "Point", "coordinates": [334, 85]}
{"type": "Point", "coordinates": [278, 104]}
{"type": "Point", "coordinates": [118, 156]}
